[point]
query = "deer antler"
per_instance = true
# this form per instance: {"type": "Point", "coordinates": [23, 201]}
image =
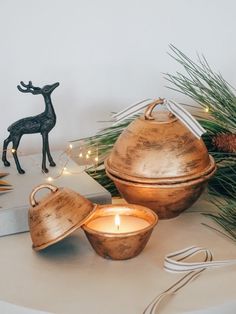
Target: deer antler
{"type": "Point", "coordinates": [29, 88]}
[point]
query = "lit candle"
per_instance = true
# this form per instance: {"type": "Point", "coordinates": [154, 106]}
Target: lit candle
{"type": "Point", "coordinates": [120, 231]}
{"type": "Point", "coordinates": [118, 224]}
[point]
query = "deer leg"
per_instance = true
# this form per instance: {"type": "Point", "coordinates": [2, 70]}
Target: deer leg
{"type": "Point", "coordinates": [15, 144]}
{"type": "Point", "coordinates": [4, 153]}
{"type": "Point", "coordinates": [51, 161]}
{"type": "Point", "coordinates": [44, 137]}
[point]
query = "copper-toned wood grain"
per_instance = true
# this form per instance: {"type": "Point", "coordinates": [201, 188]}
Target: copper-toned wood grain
{"type": "Point", "coordinates": [157, 162]}
{"type": "Point", "coordinates": [121, 246]}
{"type": "Point", "coordinates": [57, 215]}
{"type": "Point", "coordinates": [3, 174]}
{"type": "Point", "coordinates": [4, 185]}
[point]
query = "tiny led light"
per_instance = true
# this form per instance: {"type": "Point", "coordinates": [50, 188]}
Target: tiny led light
{"type": "Point", "coordinates": [206, 109]}
{"type": "Point", "coordinates": [70, 146]}
{"type": "Point", "coordinates": [87, 156]}
{"type": "Point", "coordinates": [89, 152]}
{"type": "Point", "coordinates": [80, 155]}
{"type": "Point", "coordinates": [96, 158]}
{"type": "Point", "coordinates": [65, 171]}
{"type": "Point", "coordinates": [13, 150]}
{"type": "Point", "coordinates": [50, 179]}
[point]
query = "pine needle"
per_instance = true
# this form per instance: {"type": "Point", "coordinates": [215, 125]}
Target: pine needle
{"type": "Point", "coordinates": [212, 92]}
{"type": "Point", "coordinates": [209, 89]}
{"type": "Point", "coordinates": [217, 99]}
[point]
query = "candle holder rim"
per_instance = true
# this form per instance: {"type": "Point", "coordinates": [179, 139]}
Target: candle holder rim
{"type": "Point", "coordinates": [162, 182]}
{"type": "Point", "coordinates": [123, 234]}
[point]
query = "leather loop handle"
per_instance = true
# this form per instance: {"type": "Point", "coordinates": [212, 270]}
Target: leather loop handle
{"type": "Point", "coordinates": [51, 187]}
{"type": "Point", "coordinates": [148, 111]}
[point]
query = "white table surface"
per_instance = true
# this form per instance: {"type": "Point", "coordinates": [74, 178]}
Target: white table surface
{"type": "Point", "coordinates": [70, 278]}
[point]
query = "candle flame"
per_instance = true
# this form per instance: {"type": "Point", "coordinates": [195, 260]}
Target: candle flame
{"type": "Point", "coordinates": [117, 221]}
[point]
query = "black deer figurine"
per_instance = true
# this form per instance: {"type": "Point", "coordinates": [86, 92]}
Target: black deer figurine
{"type": "Point", "coordinates": [41, 123]}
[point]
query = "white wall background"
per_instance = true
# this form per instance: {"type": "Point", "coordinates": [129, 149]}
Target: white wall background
{"type": "Point", "coordinates": [106, 54]}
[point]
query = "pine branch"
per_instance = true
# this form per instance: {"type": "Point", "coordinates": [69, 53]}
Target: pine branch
{"type": "Point", "coordinates": [226, 217]}
{"type": "Point", "coordinates": [210, 90]}
{"type": "Point", "coordinates": [206, 87]}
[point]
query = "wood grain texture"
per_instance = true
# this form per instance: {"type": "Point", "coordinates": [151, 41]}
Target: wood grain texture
{"type": "Point", "coordinates": [4, 185]}
{"type": "Point", "coordinates": [157, 162]}
{"type": "Point", "coordinates": [57, 215]}
{"type": "Point", "coordinates": [121, 246]}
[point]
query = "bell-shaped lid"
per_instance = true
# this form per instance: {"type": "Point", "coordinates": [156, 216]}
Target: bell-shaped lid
{"type": "Point", "coordinates": [57, 215]}
{"type": "Point", "coordinates": [158, 148]}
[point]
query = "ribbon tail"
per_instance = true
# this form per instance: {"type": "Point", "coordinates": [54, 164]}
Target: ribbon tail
{"type": "Point", "coordinates": [186, 118]}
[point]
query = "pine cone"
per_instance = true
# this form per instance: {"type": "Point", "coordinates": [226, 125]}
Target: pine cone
{"type": "Point", "coordinates": [225, 142]}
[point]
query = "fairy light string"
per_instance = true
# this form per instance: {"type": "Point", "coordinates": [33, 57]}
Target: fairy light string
{"type": "Point", "coordinates": [86, 157]}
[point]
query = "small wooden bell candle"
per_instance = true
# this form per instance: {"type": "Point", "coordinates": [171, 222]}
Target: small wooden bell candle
{"type": "Point", "coordinates": [159, 163]}
{"type": "Point", "coordinates": [114, 231]}
{"type": "Point", "coordinates": [120, 231]}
